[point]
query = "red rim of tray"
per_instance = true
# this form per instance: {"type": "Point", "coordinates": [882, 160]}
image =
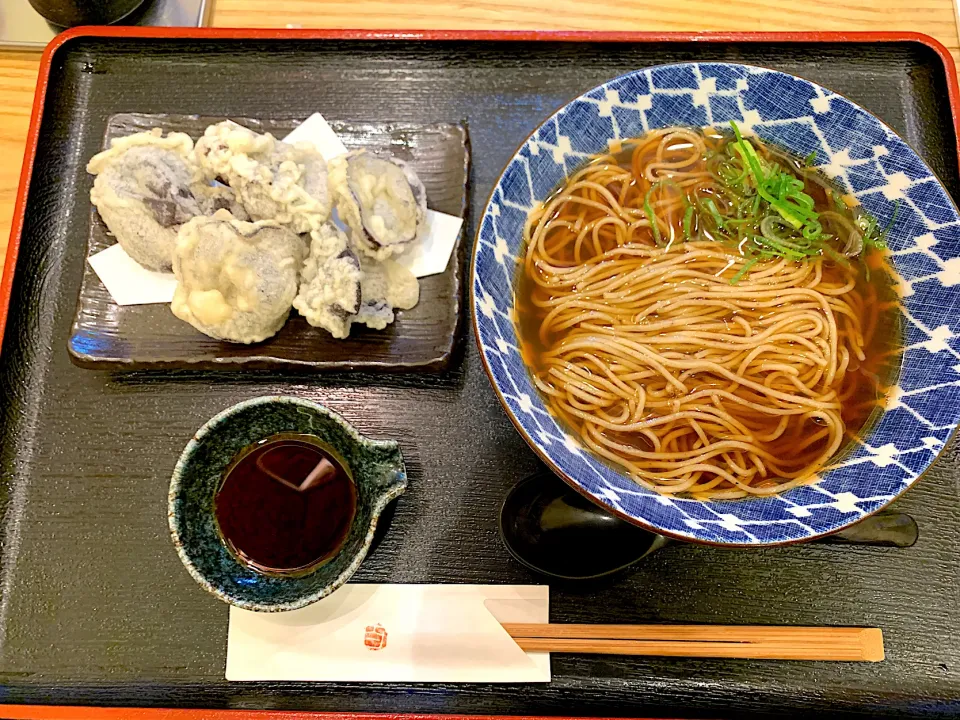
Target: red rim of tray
{"type": "Point", "coordinates": [30, 712]}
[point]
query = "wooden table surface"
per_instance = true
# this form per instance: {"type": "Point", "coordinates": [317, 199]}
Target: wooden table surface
{"type": "Point", "coordinates": [18, 69]}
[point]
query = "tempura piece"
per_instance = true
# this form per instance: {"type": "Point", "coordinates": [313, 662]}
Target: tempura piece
{"type": "Point", "coordinates": [330, 293]}
{"type": "Point", "coordinates": [215, 196]}
{"type": "Point", "coordinates": [381, 200]}
{"type": "Point", "coordinates": [386, 286]}
{"type": "Point", "coordinates": [236, 280]}
{"type": "Point", "coordinates": [146, 187]}
{"type": "Point", "coordinates": [338, 289]}
{"type": "Point", "coordinates": [273, 180]}
{"type": "Point", "coordinates": [400, 287]}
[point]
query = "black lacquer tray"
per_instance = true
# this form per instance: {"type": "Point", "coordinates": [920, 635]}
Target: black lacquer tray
{"type": "Point", "coordinates": [95, 607]}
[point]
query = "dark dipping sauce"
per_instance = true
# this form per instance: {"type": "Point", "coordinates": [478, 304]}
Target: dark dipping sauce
{"type": "Point", "coordinates": [286, 504]}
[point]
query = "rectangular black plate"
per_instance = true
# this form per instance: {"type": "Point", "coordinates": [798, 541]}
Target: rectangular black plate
{"type": "Point", "coordinates": [96, 607]}
{"type": "Point", "coordinates": [142, 337]}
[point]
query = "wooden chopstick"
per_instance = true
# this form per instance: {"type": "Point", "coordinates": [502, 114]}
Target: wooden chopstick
{"type": "Point", "coordinates": [756, 642]}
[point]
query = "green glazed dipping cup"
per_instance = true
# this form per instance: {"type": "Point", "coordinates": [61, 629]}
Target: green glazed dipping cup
{"type": "Point", "coordinates": [378, 473]}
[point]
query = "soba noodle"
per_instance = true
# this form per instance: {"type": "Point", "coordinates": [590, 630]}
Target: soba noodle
{"type": "Point", "coordinates": [678, 344]}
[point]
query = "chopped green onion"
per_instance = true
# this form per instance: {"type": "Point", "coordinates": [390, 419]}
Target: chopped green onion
{"type": "Point", "coordinates": [749, 156]}
{"type": "Point", "coordinates": [834, 255]}
{"type": "Point", "coordinates": [760, 208]}
{"type": "Point", "coordinates": [687, 219]}
{"type": "Point", "coordinates": [881, 241]}
{"type": "Point", "coordinates": [648, 211]}
{"type": "Point", "coordinates": [743, 271]}
{"type": "Point", "coordinates": [781, 190]}
{"type": "Point", "coordinates": [812, 230]}
{"type": "Point", "coordinates": [785, 211]}
{"type": "Point", "coordinates": [780, 248]}
{"type": "Point", "coordinates": [711, 207]}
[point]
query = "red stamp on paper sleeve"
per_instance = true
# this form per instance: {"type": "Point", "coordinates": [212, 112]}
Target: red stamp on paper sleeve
{"type": "Point", "coordinates": [375, 638]}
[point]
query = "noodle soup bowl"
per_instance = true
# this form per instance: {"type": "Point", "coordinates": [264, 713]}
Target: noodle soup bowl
{"type": "Point", "coordinates": [866, 159]}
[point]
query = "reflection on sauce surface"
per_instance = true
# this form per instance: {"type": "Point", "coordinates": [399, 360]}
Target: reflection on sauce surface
{"type": "Point", "coordinates": [286, 504]}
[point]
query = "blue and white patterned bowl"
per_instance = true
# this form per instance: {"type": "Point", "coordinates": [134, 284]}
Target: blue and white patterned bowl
{"type": "Point", "coordinates": [851, 145]}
